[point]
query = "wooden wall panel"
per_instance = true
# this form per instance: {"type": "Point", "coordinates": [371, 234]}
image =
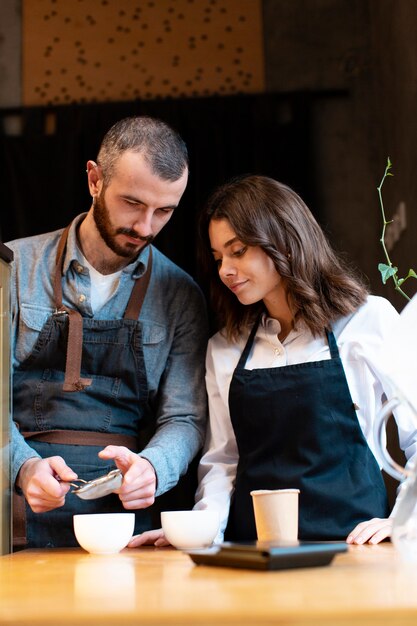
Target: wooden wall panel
{"type": "Point", "coordinates": [111, 50]}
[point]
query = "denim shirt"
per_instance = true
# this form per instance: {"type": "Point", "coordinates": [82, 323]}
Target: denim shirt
{"type": "Point", "coordinates": [174, 330]}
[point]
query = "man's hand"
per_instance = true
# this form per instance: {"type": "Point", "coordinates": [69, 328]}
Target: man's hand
{"type": "Point", "coordinates": [40, 481]}
{"type": "Point", "coordinates": [371, 531]}
{"type": "Point", "coordinates": [139, 478]}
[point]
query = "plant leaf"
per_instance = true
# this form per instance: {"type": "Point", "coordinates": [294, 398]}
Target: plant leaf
{"type": "Point", "coordinates": [387, 271]}
{"type": "Point", "coordinates": [411, 274]}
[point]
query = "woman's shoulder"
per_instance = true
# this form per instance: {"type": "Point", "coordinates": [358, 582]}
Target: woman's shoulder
{"type": "Point", "coordinates": [375, 315]}
{"type": "Point", "coordinates": [224, 350]}
{"type": "Point", "coordinates": [377, 308]}
{"type": "Point", "coordinates": [220, 340]}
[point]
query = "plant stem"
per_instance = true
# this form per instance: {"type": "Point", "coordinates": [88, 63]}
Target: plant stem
{"type": "Point", "coordinates": [385, 224]}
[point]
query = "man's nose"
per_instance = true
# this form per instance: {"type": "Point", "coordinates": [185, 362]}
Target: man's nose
{"type": "Point", "coordinates": [143, 225]}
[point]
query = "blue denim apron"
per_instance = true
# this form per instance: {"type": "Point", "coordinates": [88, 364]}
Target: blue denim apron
{"type": "Point", "coordinates": [111, 400]}
{"type": "Point", "coordinates": [296, 427]}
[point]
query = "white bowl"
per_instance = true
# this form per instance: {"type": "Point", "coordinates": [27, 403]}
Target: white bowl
{"type": "Point", "coordinates": [190, 530]}
{"type": "Point", "coordinates": [104, 533]}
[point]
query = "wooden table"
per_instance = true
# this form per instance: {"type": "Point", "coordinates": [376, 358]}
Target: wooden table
{"type": "Point", "coordinates": [151, 587]}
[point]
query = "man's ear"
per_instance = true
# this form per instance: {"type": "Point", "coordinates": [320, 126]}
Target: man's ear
{"type": "Point", "coordinates": [95, 178]}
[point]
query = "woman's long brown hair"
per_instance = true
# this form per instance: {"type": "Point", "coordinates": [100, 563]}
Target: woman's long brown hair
{"type": "Point", "coordinates": [266, 213]}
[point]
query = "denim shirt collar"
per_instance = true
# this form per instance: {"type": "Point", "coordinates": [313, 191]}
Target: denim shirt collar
{"type": "Point", "coordinates": [73, 253]}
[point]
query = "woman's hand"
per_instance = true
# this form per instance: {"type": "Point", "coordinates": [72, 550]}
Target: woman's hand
{"type": "Point", "coordinates": [149, 538]}
{"type": "Point", "coordinates": [372, 531]}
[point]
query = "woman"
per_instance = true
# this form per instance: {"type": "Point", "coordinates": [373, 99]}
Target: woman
{"type": "Point", "coordinates": [292, 378]}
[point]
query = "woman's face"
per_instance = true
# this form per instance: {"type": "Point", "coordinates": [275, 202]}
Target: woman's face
{"type": "Point", "coordinates": [246, 270]}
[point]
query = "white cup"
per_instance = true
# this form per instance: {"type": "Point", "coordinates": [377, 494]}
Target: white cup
{"type": "Point", "coordinates": [104, 533]}
{"type": "Point", "coordinates": [276, 514]}
{"type": "Point", "coordinates": [190, 530]}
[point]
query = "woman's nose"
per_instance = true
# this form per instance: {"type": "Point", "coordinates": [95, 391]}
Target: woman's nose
{"type": "Point", "coordinates": [226, 269]}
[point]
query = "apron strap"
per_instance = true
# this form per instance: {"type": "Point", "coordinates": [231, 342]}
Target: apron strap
{"type": "Point", "coordinates": [138, 294]}
{"type": "Point", "coordinates": [19, 521]}
{"type": "Point", "coordinates": [82, 438]}
{"type": "Point", "coordinates": [334, 350]}
{"type": "Point", "coordinates": [245, 354]}
{"type": "Point", "coordinates": [73, 380]}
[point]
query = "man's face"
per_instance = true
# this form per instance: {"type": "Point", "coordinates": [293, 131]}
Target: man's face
{"type": "Point", "coordinates": [136, 204]}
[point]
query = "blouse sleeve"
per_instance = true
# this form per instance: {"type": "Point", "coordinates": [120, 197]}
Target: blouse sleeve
{"type": "Point", "coordinates": [396, 359]}
{"type": "Point", "coordinates": [217, 469]}
{"type": "Point", "coordinates": [370, 350]}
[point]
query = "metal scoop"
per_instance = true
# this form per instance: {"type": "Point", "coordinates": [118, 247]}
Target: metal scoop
{"type": "Point", "coordinates": [99, 487]}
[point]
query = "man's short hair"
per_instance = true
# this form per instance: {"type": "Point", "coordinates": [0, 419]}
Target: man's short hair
{"type": "Point", "coordinates": [161, 146]}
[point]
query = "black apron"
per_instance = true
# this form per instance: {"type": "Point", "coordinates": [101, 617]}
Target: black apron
{"type": "Point", "coordinates": [108, 403]}
{"type": "Point", "coordinates": [296, 427]}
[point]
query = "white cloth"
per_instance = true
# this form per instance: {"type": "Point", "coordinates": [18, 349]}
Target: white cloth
{"type": "Point", "coordinates": [103, 286]}
{"type": "Point", "coordinates": [402, 371]}
{"type": "Point", "coordinates": [360, 338]}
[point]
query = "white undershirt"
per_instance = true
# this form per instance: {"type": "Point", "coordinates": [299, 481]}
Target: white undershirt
{"type": "Point", "coordinates": [103, 286]}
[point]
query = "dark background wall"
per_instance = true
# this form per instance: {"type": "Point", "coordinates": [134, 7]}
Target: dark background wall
{"type": "Point", "coordinates": [367, 48]}
{"type": "Point", "coordinates": [341, 75]}
{"type": "Point", "coordinates": [44, 178]}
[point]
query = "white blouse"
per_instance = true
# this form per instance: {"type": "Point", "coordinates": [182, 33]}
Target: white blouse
{"type": "Point", "coordinates": [360, 338]}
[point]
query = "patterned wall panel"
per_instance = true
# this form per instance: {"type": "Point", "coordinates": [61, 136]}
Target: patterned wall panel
{"type": "Point", "coordinates": [109, 50]}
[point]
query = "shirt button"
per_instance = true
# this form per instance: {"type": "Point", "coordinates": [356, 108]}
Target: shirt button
{"type": "Point", "coordinates": [81, 298]}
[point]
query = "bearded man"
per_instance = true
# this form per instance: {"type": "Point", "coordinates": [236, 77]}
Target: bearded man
{"type": "Point", "coordinates": [108, 342]}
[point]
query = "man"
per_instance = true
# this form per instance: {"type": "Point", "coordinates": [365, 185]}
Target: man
{"type": "Point", "coordinates": [108, 341]}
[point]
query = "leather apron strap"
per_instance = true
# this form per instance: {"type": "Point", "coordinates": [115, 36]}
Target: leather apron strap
{"type": "Point", "coordinates": [73, 380]}
{"type": "Point", "coordinates": [19, 521]}
{"type": "Point", "coordinates": [82, 438]}
{"type": "Point", "coordinates": [138, 294]}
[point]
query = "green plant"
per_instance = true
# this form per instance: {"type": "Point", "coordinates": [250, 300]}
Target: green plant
{"type": "Point", "coordinates": [388, 270]}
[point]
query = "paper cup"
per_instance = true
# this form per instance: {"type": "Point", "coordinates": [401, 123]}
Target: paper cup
{"type": "Point", "coordinates": [276, 514]}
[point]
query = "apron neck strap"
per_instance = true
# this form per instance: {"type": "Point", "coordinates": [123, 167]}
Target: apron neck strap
{"type": "Point", "coordinates": [247, 348]}
{"type": "Point", "coordinates": [334, 350]}
{"type": "Point", "coordinates": [138, 294]}
{"type": "Point", "coordinates": [73, 380]}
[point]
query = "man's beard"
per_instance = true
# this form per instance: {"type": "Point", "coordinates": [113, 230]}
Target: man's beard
{"type": "Point", "coordinates": [108, 233]}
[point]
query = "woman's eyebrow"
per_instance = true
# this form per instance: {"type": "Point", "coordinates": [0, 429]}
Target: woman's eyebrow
{"type": "Point", "coordinates": [228, 243]}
